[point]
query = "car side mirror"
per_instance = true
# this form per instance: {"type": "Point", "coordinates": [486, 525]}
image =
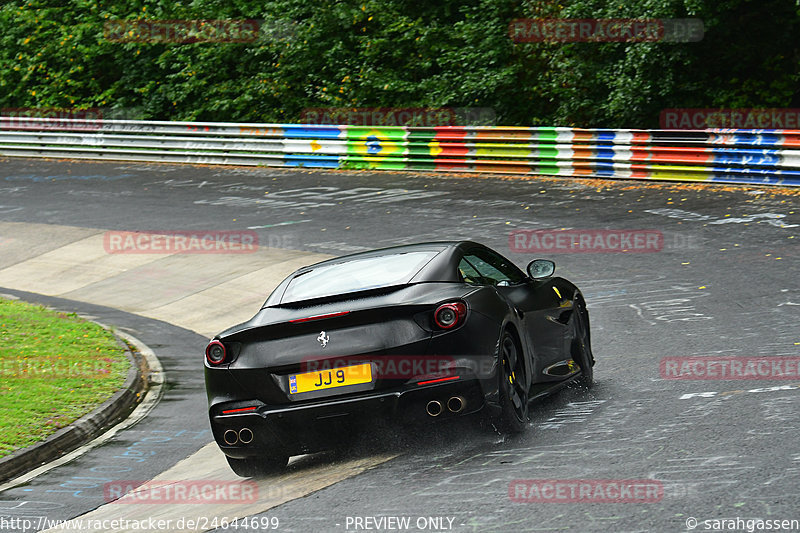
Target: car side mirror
{"type": "Point", "coordinates": [541, 268]}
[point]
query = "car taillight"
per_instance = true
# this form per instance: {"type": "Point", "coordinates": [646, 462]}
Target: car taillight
{"type": "Point", "coordinates": [450, 315]}
{"type": "Point", "coordinates": [215, 353]}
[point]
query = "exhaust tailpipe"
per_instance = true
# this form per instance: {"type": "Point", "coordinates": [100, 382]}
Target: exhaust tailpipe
{"type": "Point", "coordinates": [456, 404]}
{"type": "Point", "coordinates": [245, 435]}
{"type": "Point", "coordinates": [434, 408]}
{"type": "Point", "coordinates": [230, 437]}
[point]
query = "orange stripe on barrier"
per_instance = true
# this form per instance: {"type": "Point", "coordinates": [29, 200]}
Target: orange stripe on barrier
{"type": "Point", "coordinates": [583, 154]}
{"type": "Point", "coordinates": [578, 135]}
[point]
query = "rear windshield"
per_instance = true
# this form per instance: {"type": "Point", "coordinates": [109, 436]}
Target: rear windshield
{"type": "Point", "coordinates": [356, 275]}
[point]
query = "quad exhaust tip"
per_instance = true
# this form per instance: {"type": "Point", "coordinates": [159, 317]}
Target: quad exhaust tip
{"type": "Point", "coordinates": [456, 404]}
{"type": "Point", "coordinates": [230, 437]}
{"type": "Point", "coordinates": [245, 435]}
{"type": "Point", "coordinates": [434, 408]}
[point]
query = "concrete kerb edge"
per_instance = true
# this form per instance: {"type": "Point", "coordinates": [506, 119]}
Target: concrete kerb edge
{"type": "Point", "coordinates": [144, 371]}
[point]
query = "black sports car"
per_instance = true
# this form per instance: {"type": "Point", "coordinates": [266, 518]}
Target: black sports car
{"type": "Point", "coordinates": [418, 332]}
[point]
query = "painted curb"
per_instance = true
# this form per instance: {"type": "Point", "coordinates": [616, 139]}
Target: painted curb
{"type": "Point", "coordinates": [86, 428]}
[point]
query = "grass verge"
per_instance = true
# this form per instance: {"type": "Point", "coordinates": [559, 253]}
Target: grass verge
{"type": "Point", "coordinates": [54, 368]}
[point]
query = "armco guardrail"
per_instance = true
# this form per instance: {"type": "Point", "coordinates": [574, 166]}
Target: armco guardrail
{"type": "Point", "coordinates": [762, 157]}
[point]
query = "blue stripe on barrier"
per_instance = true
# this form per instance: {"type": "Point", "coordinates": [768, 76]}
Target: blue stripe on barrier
{"type": "Point", "coordinates": [754, 171]}
{"type": "Point", "coordinates": [294, 131]}
{"type": "Point", "coordinates": [743, 179]}
{"type": "Point", "coordinates": [746, 159]}
{"type": "Point", "coordinates": [610, 172]}
{"type": "Point", "coordinates": [758, 140]}
{"type": "Point", "coordinates": [606, 135]}
{"type": "Point", "coordinates": [603, 165]}
{"type": "Point", "coordinates": [320, 161]}
{"type": "Point", "coordinates": [605, 154]}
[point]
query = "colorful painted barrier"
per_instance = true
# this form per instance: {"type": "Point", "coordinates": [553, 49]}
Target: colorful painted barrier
{"type": "Point", "coordinates": [763, 157]}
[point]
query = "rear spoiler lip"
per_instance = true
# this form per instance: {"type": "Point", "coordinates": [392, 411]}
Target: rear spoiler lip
{"type": "Point", "coordinates": [323, 300]}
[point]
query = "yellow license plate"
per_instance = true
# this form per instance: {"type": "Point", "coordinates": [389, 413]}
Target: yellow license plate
{"type": "Point", "coordinates": [328, 379]}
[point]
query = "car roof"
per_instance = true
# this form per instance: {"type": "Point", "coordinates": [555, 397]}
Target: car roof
{"type": "Point", "coordinates": [436, 246]}
{"type": "Point", "coordinates": [441, 267]}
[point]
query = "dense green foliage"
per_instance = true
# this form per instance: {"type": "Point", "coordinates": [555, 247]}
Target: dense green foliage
{"type": "Point", "coordinates": [392, 53]}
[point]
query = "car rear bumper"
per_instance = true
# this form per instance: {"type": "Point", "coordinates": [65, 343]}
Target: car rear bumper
{"type": "Point", "coordinates": [302, 428]}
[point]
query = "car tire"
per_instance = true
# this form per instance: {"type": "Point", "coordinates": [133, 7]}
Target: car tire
{"type": "Point", "coordinates": [512, 387]}
{"type": "Point", "coordinates": [582, 347]}
{"type": "Point", "coordinates": [257, 466]}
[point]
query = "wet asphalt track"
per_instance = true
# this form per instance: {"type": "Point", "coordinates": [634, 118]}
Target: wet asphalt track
{"type": "Point", "coordinates": [724, 284]}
